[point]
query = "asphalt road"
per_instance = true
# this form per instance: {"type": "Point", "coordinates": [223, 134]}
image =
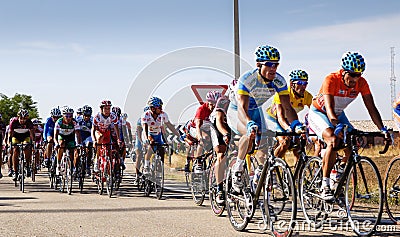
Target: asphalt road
{"type": "Point", "coordinates": [41, 211]}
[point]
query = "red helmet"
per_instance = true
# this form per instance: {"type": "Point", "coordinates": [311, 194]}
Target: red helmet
{"type": "Point", "coordinates": [105, 103]}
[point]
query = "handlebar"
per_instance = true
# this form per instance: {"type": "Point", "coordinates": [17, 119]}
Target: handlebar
{"type": "Point", "coordinates": [359, 133]}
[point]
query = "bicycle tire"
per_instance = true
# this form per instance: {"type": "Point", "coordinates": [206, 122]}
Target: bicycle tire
{"type": "Point", "coordinates": [99, 183]}
{"type": "Point", "coordinates": [392, 190]}
{"type": "Point", "coordinates": [68, 175]}
{"type": "Point", "coordinates": [147, 187]}
{"type": "Point", "coordinates": [281, 199]}
{"type": "Point", "coordinates": [197, 186]}
{"type": "Point", "coordinates": [311, 205]}
{"type": "Point", "coordinates": [22, 173]}
{"type": "Point", "coordinates": [216, 208]}
{"type": "Point", "coordinates": [371, 203]}
{"type": "Point", "coordinates": [109, 173]}
{"type": "Point", "coordinates": [159, 176]}
{"type": "Point", "coordinates": [238, 213]}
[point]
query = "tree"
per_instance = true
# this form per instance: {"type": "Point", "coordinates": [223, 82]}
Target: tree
{"type": "Point", "coordinates": [9, 107]}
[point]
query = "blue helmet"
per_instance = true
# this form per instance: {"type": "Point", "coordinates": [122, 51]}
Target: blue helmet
{"type": "Point", "coordinates": [267, 53]}
{"type": "Point", "coordinates": [299, 74]}
{"type": "Point", "coordinates": [154, 102]}
{"type": "Point", "coordinates": [353, 62]}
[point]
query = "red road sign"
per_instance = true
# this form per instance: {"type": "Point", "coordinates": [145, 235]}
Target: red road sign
{"type": "Point", "coordinates": [200, 91]}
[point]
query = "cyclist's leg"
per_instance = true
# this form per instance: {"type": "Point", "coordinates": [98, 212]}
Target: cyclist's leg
{"type": "Point", "coordinates": [139, 155]}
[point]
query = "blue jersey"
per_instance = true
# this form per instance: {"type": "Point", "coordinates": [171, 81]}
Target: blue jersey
{"type": "Point", "coordinates": [253, 85]}
{"type": "Point", "coordinates": [48, 128]}
{"type": "Point", "coordinates": [86, 128]}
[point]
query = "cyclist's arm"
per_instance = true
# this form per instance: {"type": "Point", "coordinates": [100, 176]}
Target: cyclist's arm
{"type": "Point", "coordinates": [172, 128]}
{"type": "Point", "coordinates": [220, 122]}
{"type": "Point", "coordinates": [288, 109]}
{"type": "Point", "coordinates": [55, 138]}
{"type": "Point", "coordinates": [139, 130]}
{"type": "Point", "coordinates": [117, 132]}
{"type": "Point", "coordinates": [372, 110]}
{"type": "Point", "coordinates": [146, 131]}
{"type": "Point", "coordinates": [78, 136]}
{"type": "Point", "coordinates": [280, 116]}
{"type": "Point", "coordinates": [243, 108]}
{"type": "Point", "coordinates": [32, 135]}
{"type": "Point", "coordinates": [330, 109]}
{"type": "Point", "coordinates": [198, 123]}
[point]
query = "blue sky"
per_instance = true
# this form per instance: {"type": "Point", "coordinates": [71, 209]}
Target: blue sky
{"type": "Point", "coordinates": [79, 52]}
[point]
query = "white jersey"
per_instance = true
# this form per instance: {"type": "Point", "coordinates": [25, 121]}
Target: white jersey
{"type": "Point", "coordinates": [104, 123]}
{"type": "Point", "coordinates": [154, 125]}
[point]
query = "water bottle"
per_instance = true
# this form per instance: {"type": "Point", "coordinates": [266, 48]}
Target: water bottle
{"type": "Point", "coordinates": [333, 178]}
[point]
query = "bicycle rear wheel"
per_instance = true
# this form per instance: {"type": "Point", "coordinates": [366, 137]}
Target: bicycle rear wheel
{"type": "Point", "coordinates": [216, 208]}
{"type": "Point", "coordinates": [310, 185]}
{"type": "Point", "coordinates": [366, 212]}
{"type": "Point", "coordinates": [280, 201]}
{"type": "Point", "coordinates": [392, 190]}
{"type": "Point", "coordinates": [159, 176]}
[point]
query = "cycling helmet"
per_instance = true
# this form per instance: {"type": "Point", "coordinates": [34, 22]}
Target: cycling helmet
{"type": "Point", "coordinates": [154, 102]}
{"type": "Point", "coordinates": [67, 110]}
{"type": "Point", "coordinates": [298, 75]}
{"type": "Point", "coordinates": [213, 96]}
{"type": "Point", "coordinates": [116, 110]}
{"type": "Point", "coordinates": [124, 115]}
{"type": "Point", "coordinates": [353, 62]}
{"type": "Point", "coordinates": [267, 53]}
{"type": "Point", "coordinates": [36, 121]}
{"type": "Point", "coordinates": [105, 103]}
{"type": "Point", "coordinates": [79, 111]}
{"type": "Point", "coordinates": [87, 110]}
{"type": "Point", "coordinates": [55, 112]}
{"type": "Point", "coordinates": [23, 113]}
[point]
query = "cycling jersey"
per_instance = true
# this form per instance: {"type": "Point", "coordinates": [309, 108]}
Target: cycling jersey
{"type": "Point", "coordinates": [21, 131]}
{"type": "Point", "coordinates": [104, 123]}
{"type": "Point", "coordinates": [343, 95]}
{"type": "Point", "coordinates": [222, 106]}
{"type": "Point", "coordinates": [258, 90]}
{"type": "Point", "coordinates": [297, 103]}
{"type": "Point", "coordinates": [66, 131]}
{"type": "Point", "coordinates": [85, 129]}
{"type": "Point", "coordinates": [48, 128]}
{"type": "Point", "coordinates": [154, 125]}
{"type": "Point", "coordinates": [113, 132]}
{"type": "Point", "coordinates": [396, 111]}
{"type": "Point", "coordinates": [38, 134]}
{"type": "Point", "coordinates": [138, 143]}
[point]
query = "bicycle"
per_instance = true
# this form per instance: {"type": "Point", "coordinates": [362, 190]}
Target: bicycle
{"type": "Point", "coordinates": [274, 193]}
{"type": "Point", "coordinates": [351, 187]}
{"type": "Point", "coordinates": [154, 179]}
{"type": "Point", "coordinates": [81, 166]}
{"type": "Point", "coordinates": [107, 163]}
{"type": "Point", "coordinates": [66, 170]}
{"type": "Point", "coordinates": [55, 179]}
{"type": "Point", "coordinates": [392, 190]}
{"type": "Point", "coordinates": [22, 168]}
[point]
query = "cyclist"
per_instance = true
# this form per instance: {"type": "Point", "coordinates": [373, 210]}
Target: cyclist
{"type": "Point", "coordinates": [396, 111]}
{"type": "Point", "coordinates": [153, 121]}
{"type": "Point", "coordinates": [126, 131]}
{"type": "Point", "coordinates": [48, 133]}
{"type": "Point", "coordinates": [245, 116]}
{"type": "Point", "coordinates": [139, 144]}
{"type": "Point", "coordinates": [101, 130]}
{"type": "Point", "coordinates": [2, 133]}
{"type": "Point", "coordinates": [86, 125]}
{"type": "Point", "coordinates": [196, 129]}
{"type": "Point", "coordinates": [38, 130]}
{"type": "Point", "coordinates": [79, 114]}
{"type": "Point", "coordinates": [65, 130]}
{"type": "Point", "coordinates": [221, 138]}
{"type": "Point", "coordinates": [121, 146]}
{"type": "Point", "coordinates": [21, 132]}
{"type": "Point", "coordinates": [327, 117]}
{"type": "Point", "coordinates": [299, 97]}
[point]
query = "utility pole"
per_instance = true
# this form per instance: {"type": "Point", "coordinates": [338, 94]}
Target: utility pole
{"type": "Point", "coordinates": [392, 78]}
{"type": "Point", "coordinates": [236, 37]}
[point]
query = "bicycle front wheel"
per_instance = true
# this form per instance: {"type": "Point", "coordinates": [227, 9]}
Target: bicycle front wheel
{"type": "Point", "coordinates": [109, 173]}
{"type": "Point", "coordinates": [309, 186]}
{"type": "Point", "coordinates": [159, 176]}
{"type": "Point", "coordinates": [22, 175]}
{"type": "Point", "coordinates": [364, 186]}
{"type": "Point", "coordinates": [198, 185]}
{"type": "Point", "coordinates": [68, 175]}
{"type": "Point", "coordinates": [280, 201]}
{"type": "Point", "coordinates": [216, 208]}
{"type": "Point", "coordinates": [392, 190]}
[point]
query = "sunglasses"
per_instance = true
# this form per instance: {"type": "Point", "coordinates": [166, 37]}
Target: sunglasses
{"type": "Point", "coordinates": [68, 115]}
{"type": "Point", "coordinates": [354, 74]}
{"type": "Point", "coordinates": [301, 83]}
{"type": "Point", "coordinates": [271, 64]}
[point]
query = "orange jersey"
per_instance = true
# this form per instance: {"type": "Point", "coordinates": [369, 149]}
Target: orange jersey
{"type": "Point", "coordinates": [343, 95]}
